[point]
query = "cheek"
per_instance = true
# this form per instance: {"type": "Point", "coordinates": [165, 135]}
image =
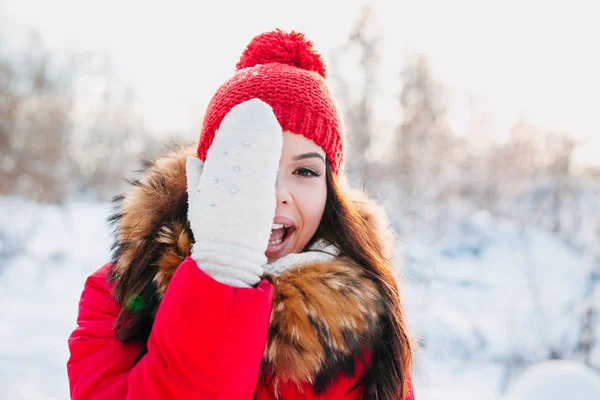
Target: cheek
{"type": "Point", "coordinates": [310, 204]}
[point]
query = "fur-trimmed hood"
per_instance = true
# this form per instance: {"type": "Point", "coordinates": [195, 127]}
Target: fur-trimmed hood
{"type": "Point", "coordinates": [324, 313]}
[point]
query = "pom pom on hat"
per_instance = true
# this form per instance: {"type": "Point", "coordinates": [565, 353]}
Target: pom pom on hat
{"type": "Point", "coordinates": [282, 47]}
{"type": "Point", "coordinates": [283, 70]}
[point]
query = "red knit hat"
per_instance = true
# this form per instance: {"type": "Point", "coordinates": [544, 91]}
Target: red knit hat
{"type": "Point", "coordinates": [284, 71]}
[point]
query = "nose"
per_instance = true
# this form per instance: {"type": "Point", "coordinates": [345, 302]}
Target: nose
{"type": "Point", "coordinates": [282, 193]}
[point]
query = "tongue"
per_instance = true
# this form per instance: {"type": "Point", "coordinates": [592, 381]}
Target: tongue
{"type": "Point", "coordinates": [276, 234]}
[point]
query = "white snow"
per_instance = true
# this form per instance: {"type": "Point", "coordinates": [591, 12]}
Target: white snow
{"type": "Point", "coordinates": [487, 299]}
{"type": "Point", "coordinates": [46, 252]}
{"type": "Point", "coordinates": [557, 380]}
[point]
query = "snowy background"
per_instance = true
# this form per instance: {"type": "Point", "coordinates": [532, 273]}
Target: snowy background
{"type": "Point", "coordinates": [486, 303]}
{"type": "Point", "coordinates": [480, 141]}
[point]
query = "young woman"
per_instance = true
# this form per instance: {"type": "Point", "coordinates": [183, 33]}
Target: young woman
{"type": "Point", "coordinates": [241, 268]}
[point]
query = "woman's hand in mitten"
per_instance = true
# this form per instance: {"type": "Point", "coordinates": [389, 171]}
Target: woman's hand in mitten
{"type": "Point", "coordinates": [232, 195]}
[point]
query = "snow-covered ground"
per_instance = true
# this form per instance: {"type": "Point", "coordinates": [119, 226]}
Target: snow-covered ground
{"type": "Point", "coordinates": [486, 300]}
{"type": "Point", "coordinates": [557, 380]}
{"type": "Point", "coordinates": [46, 253]}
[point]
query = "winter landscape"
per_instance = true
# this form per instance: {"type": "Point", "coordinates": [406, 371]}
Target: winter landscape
{"type": "Point", "coordinates": [487, 302]}
{"type": "Point", "coordinates": [498, 256]}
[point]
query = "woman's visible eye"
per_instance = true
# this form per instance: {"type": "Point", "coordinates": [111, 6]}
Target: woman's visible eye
{"type": "Point", "coordinates": [307, 172]}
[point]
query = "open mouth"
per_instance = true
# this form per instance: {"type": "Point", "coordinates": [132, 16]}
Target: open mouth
{"type": "Point", "coordinates": [281, 232]}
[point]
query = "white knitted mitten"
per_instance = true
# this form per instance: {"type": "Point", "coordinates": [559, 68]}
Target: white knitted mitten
{"type": "Point", "coordinates": [232, 196]}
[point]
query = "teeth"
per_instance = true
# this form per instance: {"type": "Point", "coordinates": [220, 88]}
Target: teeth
{"type": "Point", "coordinates": [279, 226]}
{"type": "Point", "coordinates": [275, 242]}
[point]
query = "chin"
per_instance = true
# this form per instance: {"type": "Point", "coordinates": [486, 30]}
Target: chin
{"type": "Point", "coordinates": [272, 259]}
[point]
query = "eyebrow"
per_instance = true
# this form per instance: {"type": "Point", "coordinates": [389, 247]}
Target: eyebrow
{"type": "Point", "coordinates": [308, 155]}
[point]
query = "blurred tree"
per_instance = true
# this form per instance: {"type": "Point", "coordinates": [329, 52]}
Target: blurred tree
{"type": "Point", "coordinates": [36, 100]}
{"type": "Point", "coordinates": [50, 149]}
{"type": "Point", "coordinates": [110, 146]}
{"type": "Point", "coordinates": [363, 44]}
{"type": "Point", "coordinates": [425, 145]}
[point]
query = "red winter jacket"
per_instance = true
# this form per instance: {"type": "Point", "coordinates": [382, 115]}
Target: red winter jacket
{"type": "Point", "coordinates": [213, 341]}
{"type": "Point", "coordinates": [205, 346]}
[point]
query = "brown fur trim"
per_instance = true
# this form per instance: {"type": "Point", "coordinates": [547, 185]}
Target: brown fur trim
{"type": "Point", "coordinates": [374, 214]}
{"type": "Point", "coordinates": [324, 314]}
{"type": "Point", "coordinates": [145, 211]}
{"type": "Point", "coordinates": [178, 244]}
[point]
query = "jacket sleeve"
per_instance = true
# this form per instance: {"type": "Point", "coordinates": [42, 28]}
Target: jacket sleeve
{"type": "Point", "coordinates": [207, 342]}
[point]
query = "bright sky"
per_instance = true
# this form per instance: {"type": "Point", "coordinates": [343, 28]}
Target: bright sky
{"type": "Point", "coordinates": [539, 59]}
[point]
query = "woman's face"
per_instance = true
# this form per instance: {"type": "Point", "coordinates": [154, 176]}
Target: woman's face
{"type": "Point", "coordinates": [301, 194]}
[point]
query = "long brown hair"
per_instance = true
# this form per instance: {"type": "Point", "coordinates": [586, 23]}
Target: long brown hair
{"type": "Point", "coordinates": [342, 224]}
{"type": "Point", "coordinates": [391, 358]}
